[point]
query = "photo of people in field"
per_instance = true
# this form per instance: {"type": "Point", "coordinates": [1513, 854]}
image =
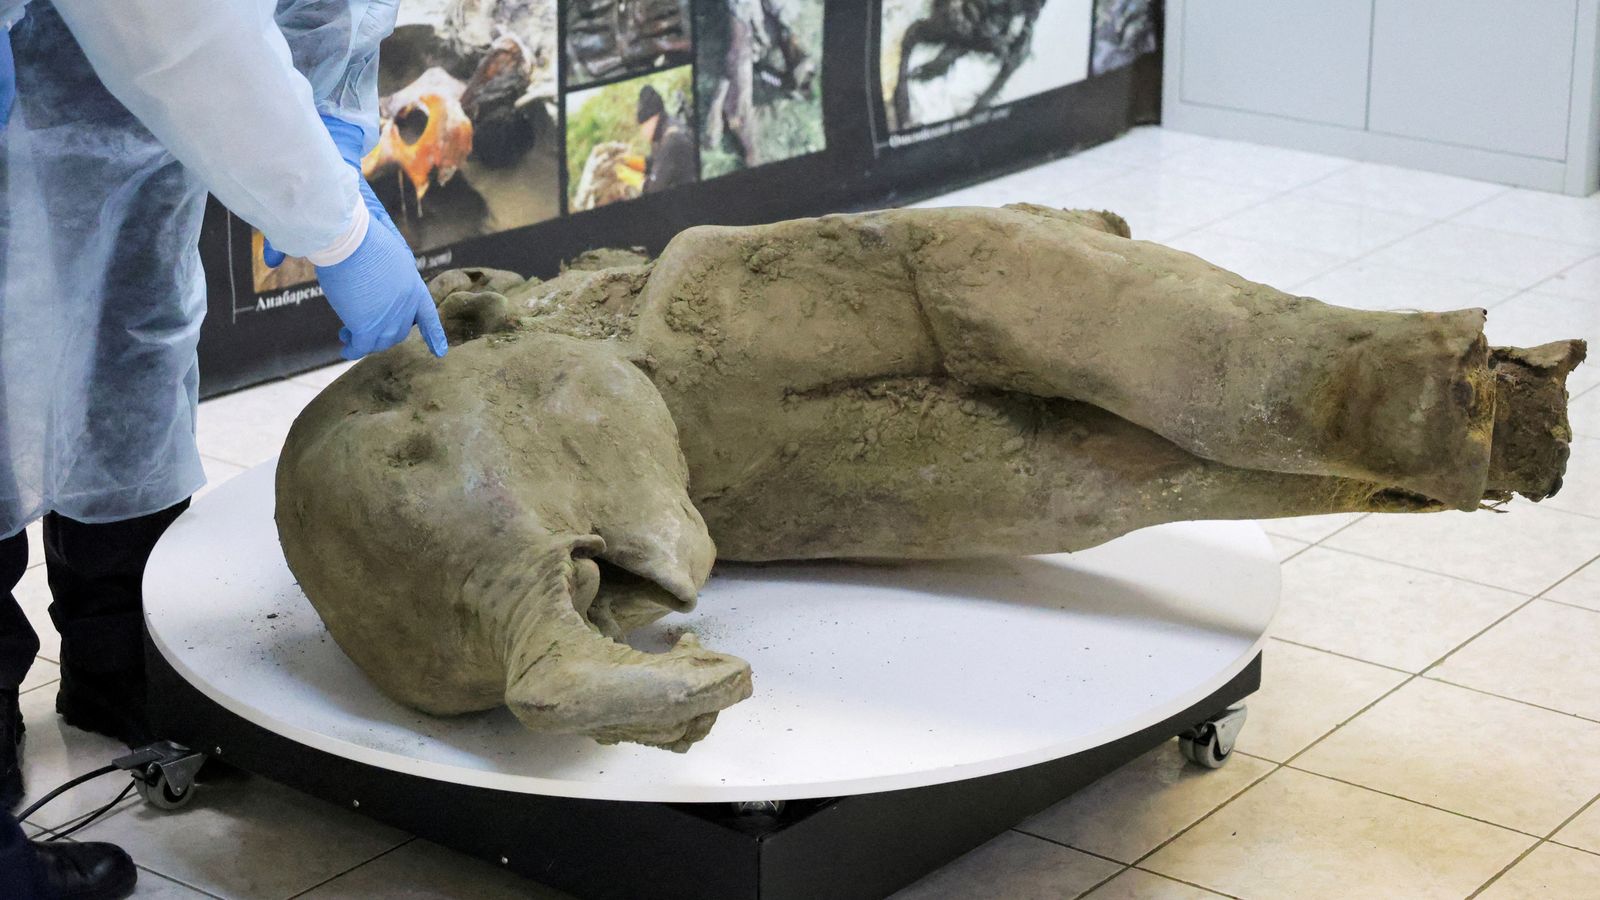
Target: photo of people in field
{"type": "Point", "coordinates": [758, 82]}
{"type": "Point", "coordinates": [631, 138]}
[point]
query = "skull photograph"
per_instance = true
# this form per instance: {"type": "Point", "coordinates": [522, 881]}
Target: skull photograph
{"type": "Point", "coordinates": [486, 529]}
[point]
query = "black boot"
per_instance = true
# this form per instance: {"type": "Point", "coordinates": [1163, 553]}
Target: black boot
{"type": "Point", "coordinates": [108, 703]}
{"type": "Point", "coordinates": [11, 729]}
{"type": "Point", "coordinates": [85, 871]}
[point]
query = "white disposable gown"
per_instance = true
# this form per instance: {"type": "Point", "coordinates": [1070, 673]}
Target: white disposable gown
{"type": "Point", "coordinates": [101, 197]}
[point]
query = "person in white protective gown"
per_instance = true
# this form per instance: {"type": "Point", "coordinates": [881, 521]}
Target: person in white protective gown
{"type": "Point", "coordinates": [121, 117]}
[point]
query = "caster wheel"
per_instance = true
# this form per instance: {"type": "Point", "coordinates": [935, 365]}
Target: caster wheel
{"type": "Point", "coordinates": [159, 793]}
{"type": "Point", "coordinates": [759, 807]}
{"type": "Point", "coordinates": [1210, 744]}
{"type": "Point", "coordinates": [1204, 749]}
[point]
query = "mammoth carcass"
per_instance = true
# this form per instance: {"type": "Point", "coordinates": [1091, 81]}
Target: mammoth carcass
{"type": "Point", "coordinates": [915, 384]}
{"type": "Point", "coordinates": [612, 173]}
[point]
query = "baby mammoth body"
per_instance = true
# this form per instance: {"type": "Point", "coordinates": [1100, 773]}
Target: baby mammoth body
{"type": "Point", "coordinates": [485, 528]}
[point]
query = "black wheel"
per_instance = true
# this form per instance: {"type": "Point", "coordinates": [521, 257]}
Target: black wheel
{"type": "Point", "coordinates": [1203, 748]}
{"type": "Point", "coordinates": [157, 792]}
{"type": "Point", "coordinates": [759, 807]}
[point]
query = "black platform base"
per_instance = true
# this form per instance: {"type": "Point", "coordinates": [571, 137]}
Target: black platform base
{"type": "Point", "coordinates": [864, 846]}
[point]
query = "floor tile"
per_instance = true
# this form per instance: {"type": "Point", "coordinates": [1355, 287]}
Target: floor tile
{"type": "Point", "coordinates": [217, 473]}
{"type": "Point", "coordinates": [1402, 190]}
{"type": "Point", "coordinates": [1468, 753]}
{"type": "Point", "coordinates": [1304, 694]}
{"type": "Point", "coordinates": [1256, 165]}
{"type": "Point", "coordinates": [1580, 486]}
{"type": "Point", "coordinates": [1582, 589]}
{"type": "Point", "coordinates": [154, 887]}
{"type": "Point", "coordinates": [1364, 285]}
{"type": "Point", "coordinates": [1381, 612]}
{"type": "Point", "coordinates": [35, 544]}
{"type": "Point", "coordinates": [1549, 872]}
{"type": "Point", "coordinates": [1278, 265]}
{"type": "Point", "coordinates": [1536, 317]}
{"type": "Point", "coordinates": [33, 594]}
{"type": "Point", "coordinates": [41, 673]}
{"type": "Point", "coordinates": [1146, 146]}
{"type": "Point", "coordinates": [1337, 228]}
{"type": "Point", "coordinates": [1581, 281]}
{"type": "Point", "coordinates": [1584, 412]}
{"type": "Point", "coordinates": [1584, 831]}
{"type": "Point", "coordinates": [1131, 811]}
{"type": "Point", "coordinates": [248, 427]}
{"type": "Point", "coordinates": [249, 838]}
{"type": "Point", "coordinates": [1160, 205]}
{"type": "Point", "coordinates": [1542, 214]}
{"type": "Point", "coordinates": [1134, 884]}
{"type": "Point", "coordinates": [1050, 184]}
{"type": "Point", "coordinates": [1298, 836]}
{"type": "Point", "coordinates": [421, 870]}
{"type": "Point", "coordinates": [1310, 528]}
{"type": "Point", "coordinates": [1542, 654]}
{"type": "Point", "coordinates": [1525, 549]}
{"type": "Point", "coordinates": [1286, 547]}
{"type": "Point", "coordinates": [1479, 254]}
{"type": "Point", "coordinates": [1014, 866]}
{"type": "Point", "coordinates": [321, 378]}
{"type": "Point", "coordinates": [56, 753]}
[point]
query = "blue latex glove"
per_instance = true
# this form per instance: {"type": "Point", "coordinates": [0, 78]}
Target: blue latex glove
{"type": "Point", "coordinates": [376, 290]}
{"type": "Point", "coordinates": [8, 78]}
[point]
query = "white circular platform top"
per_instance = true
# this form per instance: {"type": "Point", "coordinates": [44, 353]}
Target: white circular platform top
{"type": "Point", "coordinates": [867, 678]}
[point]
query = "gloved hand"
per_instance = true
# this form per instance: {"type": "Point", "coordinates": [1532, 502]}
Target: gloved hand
{"type": "Point", "coordinates": [8, 78]}
{"type": "Point", "coordinates": [378, 295]}
{"type": "Point", "coordinates": [376, 290]}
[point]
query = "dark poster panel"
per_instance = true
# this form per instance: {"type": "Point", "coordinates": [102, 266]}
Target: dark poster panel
{"type": "Point", "coordinates": [518, 133]}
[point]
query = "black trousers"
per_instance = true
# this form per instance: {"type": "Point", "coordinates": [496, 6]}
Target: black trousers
{"type": "Point", "coordinates": [95, 574]}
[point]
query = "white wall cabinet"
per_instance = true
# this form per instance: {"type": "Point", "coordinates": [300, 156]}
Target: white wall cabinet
{"type": "Point", "coordinates": [1504, 90]}
{"type": "Point", "coordinates": [1300, 59]}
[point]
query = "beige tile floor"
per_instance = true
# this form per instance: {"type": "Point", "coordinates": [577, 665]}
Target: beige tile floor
{"type": "Point", "coordinates": [1430, 720]}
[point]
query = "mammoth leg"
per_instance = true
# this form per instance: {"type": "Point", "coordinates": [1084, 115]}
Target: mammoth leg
{"type": "Point", "coordinates": [932, 468]}
{"type": "Point", "coordinates": [1029, 300]}
{"type": "Point", "coordinates": [1063, 304]}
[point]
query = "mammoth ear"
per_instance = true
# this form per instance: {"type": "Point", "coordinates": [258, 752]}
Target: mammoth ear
{"type": "Point", "coordinates": [469, 315]}
{"type": "Point", "coordinates": [472, 281]}
{"type": "Point", "coordinates": [662, 539]}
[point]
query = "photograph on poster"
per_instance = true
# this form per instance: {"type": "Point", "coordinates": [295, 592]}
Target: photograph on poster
{"type": "Point", "coordinates": [1124, 30]}
{"type": "Point", "coordinates": [630, 138]}
{"type": "Point", "coordinates": [468, 141]}
{"type": "Point", "coordinates": [758, 82]}
{"type": "Point", "coordinates": [609, 39]}
{"type": "Point", "coordinates": [947, 59]}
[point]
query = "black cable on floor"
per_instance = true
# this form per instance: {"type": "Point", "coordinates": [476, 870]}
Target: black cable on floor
{"type": "Point", "coordinates": [103, 770]}
{"type": "Point", "coordinates": [58, 835]}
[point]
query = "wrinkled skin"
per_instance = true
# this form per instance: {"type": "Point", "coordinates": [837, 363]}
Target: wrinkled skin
{"type": "Point", "coordinates": [908, 384]}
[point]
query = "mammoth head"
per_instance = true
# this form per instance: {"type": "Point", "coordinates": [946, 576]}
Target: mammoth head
{"type": "Point", "coordinates": [483, 529]}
